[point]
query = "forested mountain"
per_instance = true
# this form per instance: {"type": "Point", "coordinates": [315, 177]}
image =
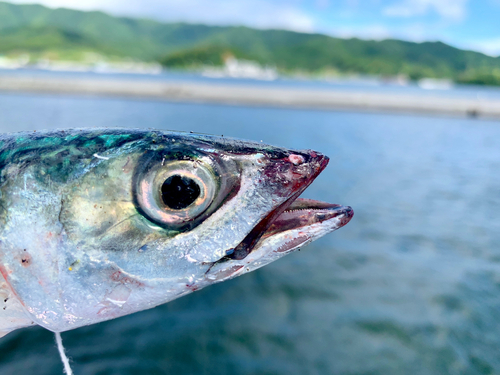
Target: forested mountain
{"type": "Point", "coordinates": [36, 29]}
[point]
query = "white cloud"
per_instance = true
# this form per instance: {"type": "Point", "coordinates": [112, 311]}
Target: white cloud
{"type": "Point", "coordinates": [83, 5]}
{"type": "Point", "coordinates": [254, 13]}
{"type": "Point", "coordinates": [489, 47]}
{"type": "Point", "coordinates": [413, 32]}
{"type": "Point", "coordinates": [288, 18]}
{"type": "Point", "coordinates": [451, 9]}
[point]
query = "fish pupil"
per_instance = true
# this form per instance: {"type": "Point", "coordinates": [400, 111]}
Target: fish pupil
{"type": "Point", "coordinates": [179, 192]}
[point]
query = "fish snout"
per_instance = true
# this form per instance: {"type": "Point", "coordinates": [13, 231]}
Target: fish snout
{"type": "Point", "coordinates": [295, 171]}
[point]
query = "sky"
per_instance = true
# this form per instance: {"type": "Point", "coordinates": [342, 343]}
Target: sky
{"type": "Point", "coordinates": [469, 24]}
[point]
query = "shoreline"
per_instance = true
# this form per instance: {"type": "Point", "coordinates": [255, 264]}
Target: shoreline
{"type": "Point", "coordinates": [255, 96]}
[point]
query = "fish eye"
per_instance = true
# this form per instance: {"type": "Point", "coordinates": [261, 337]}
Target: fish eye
{"type": "Point", "coordinates": [179, 192]}
{"type": "Point", "coordinates": [175, 193]}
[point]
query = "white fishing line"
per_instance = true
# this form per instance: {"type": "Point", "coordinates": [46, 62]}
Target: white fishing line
{"type": "Point", "coordinates": [65, 360]}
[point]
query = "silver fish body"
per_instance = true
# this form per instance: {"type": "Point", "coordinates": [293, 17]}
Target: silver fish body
{"type": "Point", "coordinates": [97, 224]}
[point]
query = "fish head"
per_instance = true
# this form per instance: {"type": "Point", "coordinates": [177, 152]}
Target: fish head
{"type": "Point", "coordinates": [159, 216]}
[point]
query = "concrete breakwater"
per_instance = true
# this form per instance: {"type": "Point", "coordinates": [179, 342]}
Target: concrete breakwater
{"type": "Point", "coordinates": [331, 99]}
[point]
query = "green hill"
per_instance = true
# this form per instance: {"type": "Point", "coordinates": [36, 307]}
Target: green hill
{"type": "Point", "coordinates": [201, 56]}
{"type": "Point", "coordinates": [36, 29]}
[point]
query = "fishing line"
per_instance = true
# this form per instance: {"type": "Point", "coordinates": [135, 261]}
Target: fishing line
{"type": "Point", "coordinates": [65, 360]}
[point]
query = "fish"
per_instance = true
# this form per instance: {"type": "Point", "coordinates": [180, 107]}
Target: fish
{"type": "Point", "coordinates": [96, 224]}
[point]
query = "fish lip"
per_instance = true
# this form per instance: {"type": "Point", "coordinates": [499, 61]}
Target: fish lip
{"type": "Point", "coordinates": [246, 246]}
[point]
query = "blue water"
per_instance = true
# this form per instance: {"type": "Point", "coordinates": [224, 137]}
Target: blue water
{"type": "Point", "coordinates": [410, 286]}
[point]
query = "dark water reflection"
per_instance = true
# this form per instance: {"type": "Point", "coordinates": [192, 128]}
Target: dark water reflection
{"type": "Point", "coordinates": [410, 286]}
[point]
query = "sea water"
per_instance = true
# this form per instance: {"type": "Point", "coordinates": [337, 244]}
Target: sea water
{"type": "Point", "coordinates": [410, 286]}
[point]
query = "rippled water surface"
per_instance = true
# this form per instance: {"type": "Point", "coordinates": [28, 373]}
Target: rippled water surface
{"type": "Point", "coordinates": [410, 286]}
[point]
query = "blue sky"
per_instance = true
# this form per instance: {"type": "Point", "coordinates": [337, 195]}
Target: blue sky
{"type": "Point", "coordinates": [471, 24]}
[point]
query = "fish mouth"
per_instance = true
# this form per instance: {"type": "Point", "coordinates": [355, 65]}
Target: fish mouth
{"type": "Point", "coordinates": [294, 213]}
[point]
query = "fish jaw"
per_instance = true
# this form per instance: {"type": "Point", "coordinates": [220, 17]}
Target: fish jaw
{"type": "Point", "coordinates": [304, 221]}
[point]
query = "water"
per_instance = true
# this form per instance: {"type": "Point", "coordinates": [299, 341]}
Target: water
{"type": "Point", "coordinates": [410, 286]}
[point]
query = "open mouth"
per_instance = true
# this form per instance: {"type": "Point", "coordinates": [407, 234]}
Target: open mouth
{"type": "Point", "coordinates": [305, 212]}
{"type": "Point", "coordinates": [294, 213]}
